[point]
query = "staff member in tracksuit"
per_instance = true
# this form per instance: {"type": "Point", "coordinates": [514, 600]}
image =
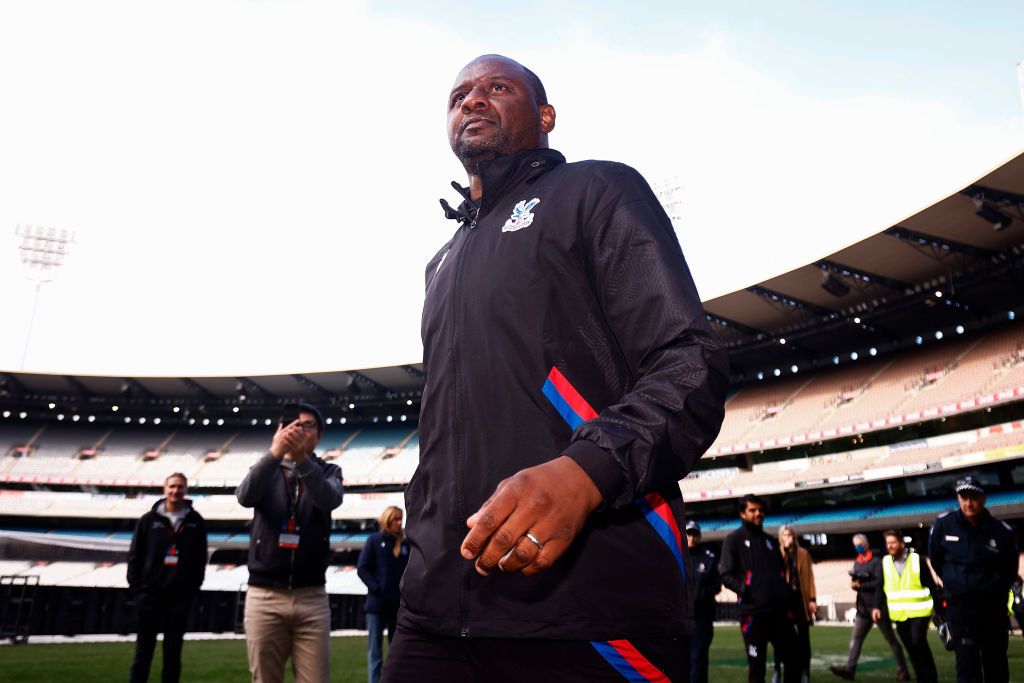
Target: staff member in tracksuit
{"type": "Point", "coordinates": [706, 585]}
{"type": "Point", "coordinates": [572, 379]}
{"type": "Point", "coordinates": [907, 595]}
{"type": "Point", "coordinates": [286, 610]}
{"type": "Point", "coordinates": [752, 568]}
{"type": "Point", "coordinates": [975, 556]}
{"type": "Point", "coordinates": [166, 566]}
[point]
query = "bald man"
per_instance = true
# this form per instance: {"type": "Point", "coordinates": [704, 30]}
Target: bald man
{"type": "Point", "coordinates": [572, 381]}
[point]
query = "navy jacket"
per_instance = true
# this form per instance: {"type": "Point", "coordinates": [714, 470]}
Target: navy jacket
{"type": "Point", "coordinates": [977, 563]}
{"type": "Point", "coordinates": [707, 582]}
{"type": "Point", "coordinates": [381, 571]}
{"type": "Point", "coordinates": [264, 489]}
{"type": "Point", "coordinates": [153, 537]}
{"type": "Point", "coordinates": [561, 318]}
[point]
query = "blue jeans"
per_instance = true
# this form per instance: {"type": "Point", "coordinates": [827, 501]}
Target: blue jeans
{"type": "Point", "coordinates": [376, 622]}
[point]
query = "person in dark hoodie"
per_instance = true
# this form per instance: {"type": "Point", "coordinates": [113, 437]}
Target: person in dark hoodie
{"type": "Point", "coordinates": [381, 565]}
{"type": "Point", "coordinates": [293, 493]}
{"type": "Point", "coordinates": [572, 379]}
{"type": "Point", "coordinates": [751, 567]}
{"type": "Point", "coordinates": [166, 567]}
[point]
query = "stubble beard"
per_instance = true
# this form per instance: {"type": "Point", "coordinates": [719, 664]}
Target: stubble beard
{"type": "Point", "coordinates": [498, 143]}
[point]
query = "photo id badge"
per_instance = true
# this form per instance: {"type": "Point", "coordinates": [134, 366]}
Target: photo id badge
{"type": "Point", "coordinates": [287, 540]}
{"type": "Point", "coordinates": [171, 558]}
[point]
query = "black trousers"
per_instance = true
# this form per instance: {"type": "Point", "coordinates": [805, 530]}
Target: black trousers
{"type": "Point", "coordinates": [778, 629]}
{"type": "Point", "coordinates": [914, 634]}
{"type": "Point", "coordinates": [700, 643]}
{"type": "Point", "coordinates": [166, 612]}
{"type": "Point", "coordinates": [417, 657]}
{"type": "Point", "coordinates": [981, 635]}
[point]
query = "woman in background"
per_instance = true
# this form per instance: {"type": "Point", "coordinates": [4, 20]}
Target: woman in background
{"type": "Point", "coordinates": [799, 570]}
{"type": "Point", "coordinates": [381, 564]}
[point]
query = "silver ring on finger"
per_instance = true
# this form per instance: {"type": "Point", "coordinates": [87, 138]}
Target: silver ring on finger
{"type": "Point", "coordinates": [533, 539]}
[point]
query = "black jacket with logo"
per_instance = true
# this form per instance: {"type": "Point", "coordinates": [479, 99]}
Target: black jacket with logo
{"type": "Point", "coordinates": [707, 582]}
{"type": "Point", "coordinates": [752, 568]}
{"type": "Point", "coordinates": [561, 319]}
{"type": "Point", "coordinates": [147, 571]}
{"type": "Point", "coordinates": [381, 571]}
{"type": "Point", "coordinates": [977, 563]}
{"type": "Point", "coordinates": [264, 489]}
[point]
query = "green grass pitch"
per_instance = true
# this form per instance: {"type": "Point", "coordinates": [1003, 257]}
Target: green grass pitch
{"type": "Point", "coordinates": [224, 660]}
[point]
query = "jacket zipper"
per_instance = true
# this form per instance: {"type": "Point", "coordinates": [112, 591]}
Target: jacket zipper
{"type": "Point", "coordinates": [460, 501]}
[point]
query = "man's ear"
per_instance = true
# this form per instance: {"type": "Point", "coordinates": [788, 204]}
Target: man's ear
{"type": "Point", "coordinates": [547, 118]}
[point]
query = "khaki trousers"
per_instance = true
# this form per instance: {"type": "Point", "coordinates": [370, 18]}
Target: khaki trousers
{"type": "Point", "coordinates": [280, 623]}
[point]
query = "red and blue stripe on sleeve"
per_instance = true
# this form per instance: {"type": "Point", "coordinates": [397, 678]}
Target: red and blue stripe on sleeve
{"type": "Point", "coordinates": [628, 661]}
{"type": "Point", "coordinates": [573, 408]}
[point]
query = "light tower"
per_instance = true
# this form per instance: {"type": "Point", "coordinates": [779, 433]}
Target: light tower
{"type": "Point", "coordinates": [42, 254]}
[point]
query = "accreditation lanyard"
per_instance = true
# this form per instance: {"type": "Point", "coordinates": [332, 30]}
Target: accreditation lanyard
{"type": "Point", "coordinates": [289, 536]}
{"type": "Point", "coordinates": [171, 558]}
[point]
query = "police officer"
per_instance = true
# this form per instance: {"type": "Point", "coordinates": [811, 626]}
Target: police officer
{"type": "Point", "coordinates": [706, 585]}
{"type": "Point", "coordinates": [975, 556]}
{"type": "Point", "coordinates": [907, 594]}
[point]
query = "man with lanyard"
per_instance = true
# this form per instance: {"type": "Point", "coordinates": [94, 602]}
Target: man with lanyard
{"type": "Point", "coordinates": [975, 557]}
{"type": "Point", "coordinates": [706, 585]}
{"type": "Point", "coordinates": [293, 493]}
{"type": "Point", "coordinates": [752, 568]}
{"type": "Point", "coordinates": [166, 566]}
{"type": "Point", "coordinates": [572, 380]}
{"type": "Point", "coordinates": [906, 595]}
{"type": "Point", "coordinates": [866, 580]}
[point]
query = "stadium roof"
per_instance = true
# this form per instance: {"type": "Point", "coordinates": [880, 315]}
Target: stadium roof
{"type": "Point", "coordinates": [945, 266]}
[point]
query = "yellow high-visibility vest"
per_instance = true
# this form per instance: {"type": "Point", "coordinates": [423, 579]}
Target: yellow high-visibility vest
{"type": "Point", "coordinates": [906, 596]}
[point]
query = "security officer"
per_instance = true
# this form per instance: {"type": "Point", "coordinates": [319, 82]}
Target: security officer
{"type": "Point", "coordinates": [706, 585]}
{"type": "Point", "coordinates": [975, 556]}
{"type": "Point", "coordinates": [907, 589]}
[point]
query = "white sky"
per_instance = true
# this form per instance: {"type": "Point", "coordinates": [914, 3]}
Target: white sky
{"type": "Point", "coordinates": [254, 185]}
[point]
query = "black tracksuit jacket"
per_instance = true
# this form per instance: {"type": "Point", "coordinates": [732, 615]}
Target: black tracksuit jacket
{"type": "Point", "coordinates": [752, 568]}
{"type": "Point", "coordinates": [153, 536]}
{"type": "Point", "coordinates": [561, 319]}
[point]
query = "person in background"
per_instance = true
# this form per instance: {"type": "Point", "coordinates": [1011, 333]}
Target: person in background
{"type": "Point", "coordinates": [866, 580]}
{"type": "Point", "coordinates": [293, 493]}
{"type": "Point", "coordinates": [752, 568]}
{"type": "Point", "coordinates": [166, 567]}
{"type": "Point", "coordinates": [975, 557]}
{"type": "Point", "coordinates": [799, 571]}
{"type": "Point", "coordinates": [907, 596]}
{"type": "Point", "coordinates": [706, 585]}
{"type": "Point", "coordinates": [381, 565]}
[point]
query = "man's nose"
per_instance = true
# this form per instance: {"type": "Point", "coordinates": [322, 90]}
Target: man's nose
{"type": "Point", "coordinates": [475, 100]}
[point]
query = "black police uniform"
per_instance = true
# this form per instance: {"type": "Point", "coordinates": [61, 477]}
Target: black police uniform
{"type": "Point", "coordinates": [706, 585]}
{"type": "Point", "coordinates": [977, 564]}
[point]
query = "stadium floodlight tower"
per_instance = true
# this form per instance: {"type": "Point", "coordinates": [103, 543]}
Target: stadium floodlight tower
{"type": "Point", "coordinates": [42, 254]}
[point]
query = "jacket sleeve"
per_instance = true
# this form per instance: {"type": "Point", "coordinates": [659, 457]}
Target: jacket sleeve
{"type": "Point", "coordinates": [808, 566]}
{"type": "Point", "coordinates": [322, 483]}
{"type": "Point", "coordinates": [936, 551]}
{"type": "Point", "coordinates": [137, 555]}
{"type": "Point", "coordinates": [366, 568]}
{"type": "Point", "coordinates": [652, 436]}
{"type": "Point", "coordinates": [714, 581]}
{"type": "Point", "coordinates": [257, 480]}
{"type": "Point", "coordinates": [730, 568]}
{"type": "Point", "coordinates": [203, 555]}
{"type": "Point", "coordinates": [1010, 556]}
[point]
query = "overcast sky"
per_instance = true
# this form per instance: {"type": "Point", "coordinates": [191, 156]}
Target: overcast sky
{"type": "Point", "coordinates": [253, 185]}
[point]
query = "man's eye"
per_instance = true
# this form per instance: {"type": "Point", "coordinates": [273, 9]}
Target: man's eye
{"type": "Point", "coordinates": [499, 86]}
{"type": "Point", "coordinates": [458, 98]}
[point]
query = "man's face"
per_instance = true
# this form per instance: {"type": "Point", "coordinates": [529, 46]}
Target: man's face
{"type": "Point", "coordinates": [753, 514]}
{"type": "Point", "coordinates": [894, 545]}
{"type": "Point", "coordinates": [175, 489]}
{"type": "Point", "coordinates": [971, 504]}
{"type": "Point", "coordinates": [395, 525]}
{"type": "Point", "coordinates": [493, 110]}
{"type": "Point", "coordinates": [307, 423]}
{"type": "Point", "coordinates": [692, 540]}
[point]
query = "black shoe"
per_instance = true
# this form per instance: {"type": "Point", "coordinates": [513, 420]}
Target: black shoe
{"type": "Point", "coordinates": [842, 672]}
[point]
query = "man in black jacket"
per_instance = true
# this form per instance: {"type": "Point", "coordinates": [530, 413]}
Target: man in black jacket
{"type": "Point", "coordinates": [866, 580]}
{"type": "Point", "coordinates": [166, 566]}
{"type": "Point", "coordinates": [707, 583]}
{"type": "Point", "coordinates": [975, 556]}
{"type": "Point", "coordinates": [286, 609]}
{"type": "Point", "coordinates": [752, 568]}
{"type": "Point", "coordinates": [572, 381]}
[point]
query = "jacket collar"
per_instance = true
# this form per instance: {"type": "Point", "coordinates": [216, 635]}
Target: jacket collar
{"type": "Point", "coordinates": [498, 176]}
